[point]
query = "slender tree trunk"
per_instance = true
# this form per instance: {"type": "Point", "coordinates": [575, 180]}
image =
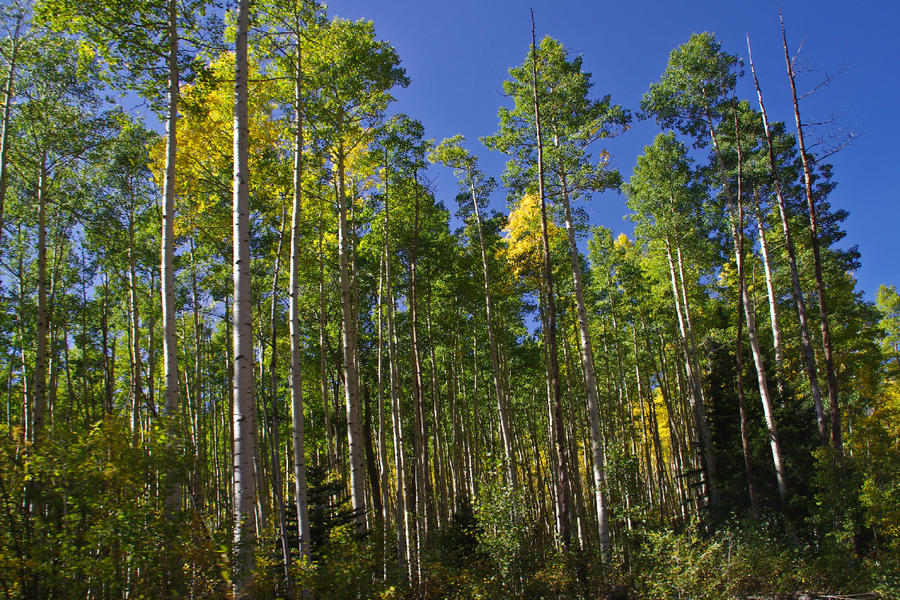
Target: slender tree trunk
{"type": "Point", "coordinates": [796, 290]}
{"type": "Point", "coordinates": [831, 378]}
{"type": "Point", "coordinates": [297, 424]}
{"type": "Point", "coordinates": [104, 337]}
{"type": "Point", "coordinates": [645, 445]}
{"type": "Point", "coordinates": [405, 558]}
{"type": "Point", "coordinates": [274, 444]}
{"type": "Point", "coordinates": [562, 482]}
{"type": "Point", "coordinates": [53, 364]}
{"type": "Point", "coordinates": [351, 371]}
{"type": "Point", "coordinates": [738, 232]}
{"type": "Point", "coordinates": [40, 353]}
{"type": "Point", "coordinates": [765, 396]}
{"type": "Point", "coordinates": [362, 399]}
{"type": "Point", "coordinates": [420, 437]}
{"type": "Point", "coordinates": [27, 407]}
{"type": "Point", "coordinates": [167, 288]}
{"type": "Point", "coordinates": [676, 440]}
{"type": "Point", "coordinates": [471, 441]}
{"type": "Point", "coordinates": [152, 387]}
{"type": "Point", "coordinates": [742, 405]}
{"type": "Point", "coordinates": [7, 111]}
{"type": "Point", "coordinates": [383, 467]}
{"type": "Point", "coordinates": [696, 398]}
{"type": "Point", "coordinates": [323, 377]}
{"type": "Point", "coordinates": [195, 397]}
{"type": "Point", "coordinates": [502, 409]}
{"type": "Point", "coordinates": [735, 205]}
{"type": "Point", "coordinates": [773, 304]}
{"type": "Point", "coordinates": [136, 359]}
{"type": "Point", "coordinates": [439, 488]}
{"type": "Point", "coordinates": [662, 477]}
{"type": "Point", "coordinates": [458, 468]}
{"type": "Point", "coordinates": [590, 382]}
{"type": "Point", "coordinates": [244, 402]}
{"type": "Point", "coordinates": [170, 352]}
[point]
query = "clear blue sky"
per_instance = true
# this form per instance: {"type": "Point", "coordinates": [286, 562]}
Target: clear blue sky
{"type": "Point", "coordinates": [457, 55]}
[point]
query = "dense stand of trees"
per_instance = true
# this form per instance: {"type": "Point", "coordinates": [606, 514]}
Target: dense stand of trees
{"type": "Point", "coordinates": [391, 401]}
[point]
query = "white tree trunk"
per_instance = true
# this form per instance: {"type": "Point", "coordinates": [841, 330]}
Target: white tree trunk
{"type": "Point", "coordinates": [796, 290]}
{"type": "Point", "coordinates": [691, 365]}
{"type": "Point", "coordinates": [297, 425]}
{"type": "Point", "coordinates": [40, 353]}
{"type": "Point", "coordinates": [351, 369]}
{"type": "Point", "coordinates": [404, 524]}
{"type": "Point", "coordinates": [773, 304]}
{"type": "Point", "coordinates": [244, 401]}
{"type": "Point", "coordinates": [755, 350]}
{"type": "Point", "coordinates": [7, 107]}
{"type": "Point", "coordinates": [170, 348]}
{"type": "Point", "coordinates": [562, 480]}
{"type": "Point", "coordinates": [383, 468]}
{"type": "Point", "coordinates": [735, 205]}
{"type": "Point", "coordinates": [590, 383]}
{"type": "Point", "coordinates": [502, 405]}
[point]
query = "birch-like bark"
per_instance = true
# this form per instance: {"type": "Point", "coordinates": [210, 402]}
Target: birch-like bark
{"type": "Point", "coordinates": [590, 383]}
{"type": "Point", "coordinates": [323, 377]}
{"type": "Point", "coordinates": [170, 348]}
{"type": "Point", "coordinates": [562, 481]}
{"type": "Point", "coordinates": [773, 303]}
{"type": "Point", "coordinates": [382, 440]}
{"type": "Point", "coordinates": [7, 111]}
{"type": "Point", "coordinates": [244, 401]}
{"type": "Point", "coordinates": [499, 390]}
{"type": "Point", "coordinates": [137, 385]}
{"type": "Point", "coordinates": [742, 404]}
{"type": "Point", "coordinates": [402, 521]}
{"type": "Point", "coordinates": [195, 394]}
{"type": "Point", "coordinates": [696, 399]}
{"type": "Point", "coordinates": [796, 289]}
{"type": "Point", "coordinates": [765, 395]}
{"type": "Point", "coordinates": [420, 437]}
{"type": "Point", "coordinates": [297, 424]}
{"type": "Point", "coordinates": [645, 445]}
{"type": "Point", "coordinates": [274, 445]}
{"type": "Point", "coordinates": [40, 352]}
{"type": "Point", "coordinates": [736, 210]}
{"type": "Point", "coordinates": [172, 489]}
{"type": "Point", "coordinates": [104, 343]}
{"type": "Point", "coordinates": [351, 369]}
{"type": "Point", "coordinates": [439, 488]}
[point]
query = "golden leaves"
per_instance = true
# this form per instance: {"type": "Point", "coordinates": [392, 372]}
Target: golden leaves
{"type": "Point", "coordinates": [204, 155]}
{"type": "Point", "coordinates": [524, 249]}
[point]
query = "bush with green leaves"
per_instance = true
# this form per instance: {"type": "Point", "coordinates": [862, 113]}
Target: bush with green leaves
{"type": "Point", "coordinates": [92, 517]}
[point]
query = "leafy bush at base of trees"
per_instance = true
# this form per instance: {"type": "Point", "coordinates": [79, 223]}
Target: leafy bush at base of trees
{"type": "Point", "coordinates": [95, 522]}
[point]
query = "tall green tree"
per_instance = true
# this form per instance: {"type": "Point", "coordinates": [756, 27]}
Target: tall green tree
{"type": "Point", "coordinates": [664, 194]}
{"type": "Point", "coordinates": [521, 136]}
{"type": "Point", "coordinates": [475, 187]}
{"type": "Point", "coordinates": [351, 74]}
{"type": "Point", "coordinates": [576, 121]}
{"type": "Point", "coordinates": [695, 95]}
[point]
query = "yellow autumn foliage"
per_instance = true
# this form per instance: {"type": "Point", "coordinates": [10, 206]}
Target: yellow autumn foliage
{"type": "Point", "coordinates": [204, 157]}
{"type": "Point", "coordinates": [622, 242]}
{"type": "Point", "coordinates": [523, 237]}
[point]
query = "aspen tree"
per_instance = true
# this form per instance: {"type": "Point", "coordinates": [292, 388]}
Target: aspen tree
{"type": "Point", "coordinates": [244, 416]}
{"type": "Point", "coordinates": [830, 376]}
